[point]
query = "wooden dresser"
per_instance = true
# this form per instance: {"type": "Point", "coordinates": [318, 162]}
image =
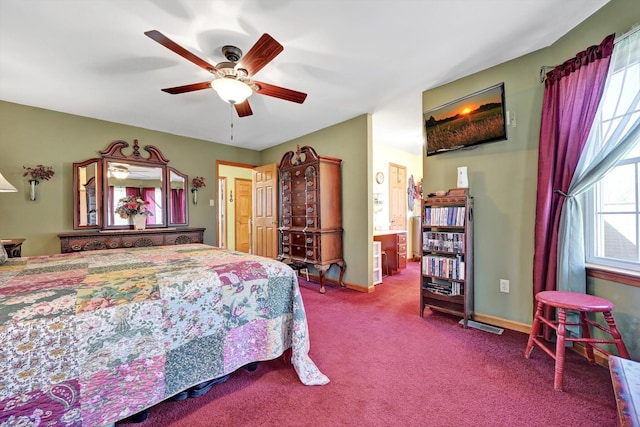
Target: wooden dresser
{"type": "Point", "coordinates": [310, 226]}
{"type": "Point", "coordinates": [112, 239]}
{"type": "Point", "coordinates": [394, 244]}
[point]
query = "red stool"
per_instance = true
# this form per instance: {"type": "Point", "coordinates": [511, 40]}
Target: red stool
{"type": "Point", "coordinates": [583, 304]}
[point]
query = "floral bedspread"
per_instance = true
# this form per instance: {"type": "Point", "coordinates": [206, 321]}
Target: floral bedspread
{"type": "Point", "coordinates": [90, 338]}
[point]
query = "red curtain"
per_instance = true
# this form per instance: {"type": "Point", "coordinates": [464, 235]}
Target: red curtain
{"type": "Point", "coordinates": [571, 97]}
{"type": "Point", "coordinates": [177, 206]}
{"type": "Point", "coordinates": [132, 191]}
{"type": "Point", "coordinates": [149, 195]}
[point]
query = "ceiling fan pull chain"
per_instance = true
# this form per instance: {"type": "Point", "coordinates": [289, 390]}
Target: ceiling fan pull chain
{"type": "Point", "coordinates": [231, 105]}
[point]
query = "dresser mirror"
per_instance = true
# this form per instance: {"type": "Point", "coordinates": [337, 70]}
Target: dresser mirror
{"type": "Point", "coordinates": [100, 183]}
{"type": "Point", "coordinates": [126, 179]}
{"type": "Point", "coordinates": [87, 194]}
{"type": "Point", "coordinates": [178, 195]}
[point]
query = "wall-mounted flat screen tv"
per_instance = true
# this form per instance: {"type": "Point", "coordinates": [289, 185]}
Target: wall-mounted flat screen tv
{"type": "Point", "coordinates": [466, 122]}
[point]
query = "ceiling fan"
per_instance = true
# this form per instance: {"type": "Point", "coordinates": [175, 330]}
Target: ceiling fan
{"type": "Point", "coordinates": [233, 78]}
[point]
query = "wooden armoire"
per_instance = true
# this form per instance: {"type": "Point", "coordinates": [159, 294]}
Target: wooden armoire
{"type": "Point", "coordinates": [310, 226]}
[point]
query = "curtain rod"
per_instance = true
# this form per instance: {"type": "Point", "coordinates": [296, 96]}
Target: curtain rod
{"type": "Point", "coordinates": [545, 68]}
{"type": "Point", "coordinates": [627, 34]}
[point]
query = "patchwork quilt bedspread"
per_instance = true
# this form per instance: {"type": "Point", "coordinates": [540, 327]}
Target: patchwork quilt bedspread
{"type": "Point", "coordinates": [90, 338]}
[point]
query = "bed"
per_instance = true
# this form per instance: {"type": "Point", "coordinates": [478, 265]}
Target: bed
{"type": "Point", "coordinates": [91, 338]}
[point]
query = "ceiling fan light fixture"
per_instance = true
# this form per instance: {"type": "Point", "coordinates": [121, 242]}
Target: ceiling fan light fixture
{"type": "Point", "coordinates": [231, 90]}
{"type": "Point", "coordinates": [119, 171]}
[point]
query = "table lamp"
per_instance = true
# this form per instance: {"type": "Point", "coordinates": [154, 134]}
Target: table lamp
{"type": "Point", "coordinates": [5, 186]}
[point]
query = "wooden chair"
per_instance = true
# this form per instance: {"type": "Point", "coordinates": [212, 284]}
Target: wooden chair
{"type": "Point", "coordinates": [385, 263]}
{"type": "Point", "coordinates": [583, 304]}
{"type": "Point", "coordinates": [299, 268]}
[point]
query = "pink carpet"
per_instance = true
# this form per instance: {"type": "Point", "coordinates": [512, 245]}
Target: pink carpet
{"type": "Point", "coordinates": [389, 367]}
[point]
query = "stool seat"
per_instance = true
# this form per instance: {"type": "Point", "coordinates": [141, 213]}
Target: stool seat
{"type": "Point", "coordinates": [583, 304]}
{"type": "Point", "coordinates": [574, 301]}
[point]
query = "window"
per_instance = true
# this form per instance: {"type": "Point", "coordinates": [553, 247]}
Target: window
{"type": "Point", "coordinates": [612, 208]}
{"type": "Point", "coordinates": [615, 216]}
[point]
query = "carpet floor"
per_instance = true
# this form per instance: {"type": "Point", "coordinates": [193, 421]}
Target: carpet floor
{"type": "Point", "coordinates": [390, 367]}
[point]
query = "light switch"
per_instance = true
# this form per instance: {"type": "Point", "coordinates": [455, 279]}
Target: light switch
{"type": "Point", "coordinates": [211, 202]}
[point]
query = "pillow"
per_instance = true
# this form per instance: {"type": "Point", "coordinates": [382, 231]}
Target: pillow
{"type": "Point", "coordinates": [3, 254]}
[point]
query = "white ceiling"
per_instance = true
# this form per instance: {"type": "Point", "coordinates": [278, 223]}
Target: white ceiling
{"type": "Point", "coordinates": [91, 58]}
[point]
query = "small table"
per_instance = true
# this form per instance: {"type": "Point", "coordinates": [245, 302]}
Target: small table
{"type": "Point", "coordinates": [13, 247]}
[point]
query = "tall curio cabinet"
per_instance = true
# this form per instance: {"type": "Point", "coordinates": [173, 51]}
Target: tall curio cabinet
{"type": "Point", "coordinates": [310, 226]}
{"type": "Point", "coordinates": [446, 282]}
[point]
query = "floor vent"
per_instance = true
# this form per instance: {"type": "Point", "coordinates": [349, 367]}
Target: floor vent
{"type": "Point", "coordinates": [483, 327]}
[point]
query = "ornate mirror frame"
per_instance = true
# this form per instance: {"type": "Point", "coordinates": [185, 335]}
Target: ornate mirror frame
{"type": "Point", "coordinates": [93, 177]}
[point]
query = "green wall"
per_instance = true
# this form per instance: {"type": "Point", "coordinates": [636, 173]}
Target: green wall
{"type": "Point", "coordinates": [351, 142]}
{"type": "Point", "coordinates": [31, 136]}
{"type": "Point", "coordinates": [503, 175]}
{"type": "Point", "coordinates": [502, 180]}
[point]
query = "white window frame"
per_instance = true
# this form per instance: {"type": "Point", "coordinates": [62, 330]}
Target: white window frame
{"type": "Point", "coordinates": [593, 224]}
{"type": "Point", "coordinates": [594, 207]}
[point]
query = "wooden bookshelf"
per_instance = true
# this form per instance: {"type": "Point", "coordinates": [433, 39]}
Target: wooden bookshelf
{"type": "Point", "coordinates": [446, 282]}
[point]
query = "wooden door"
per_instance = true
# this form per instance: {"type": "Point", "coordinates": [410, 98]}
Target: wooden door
{"type": "Point", "coordinates": [243, 207]}
{"type": "Point", "coordinates": [397, 197]}
{"type": "Point", "coordinates": [265, 211]}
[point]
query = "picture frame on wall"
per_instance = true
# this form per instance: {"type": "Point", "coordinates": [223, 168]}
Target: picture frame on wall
{"type": "Point", "coordinates": [475, 119]}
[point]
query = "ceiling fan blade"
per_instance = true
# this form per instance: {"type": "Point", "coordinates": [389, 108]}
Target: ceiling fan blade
{"type": "Point", "coordinates": [243, 109]}
{"type": "Point", "coordinates": [260, 54]}
{"type": "Point", "coordinates": [280, 92]}
{"type": "Point", "coordinates": [175, 47]}
{"type": "Point", "coordinates": [187, 88]}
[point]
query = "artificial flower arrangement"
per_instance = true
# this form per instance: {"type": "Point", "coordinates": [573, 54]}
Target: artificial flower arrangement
{"type": "Point", "coordinates": [132, 205]}
{"type": "Point", "coordinates": [198, 182]}
{"type": "Point", "coordinates": [39, 172]}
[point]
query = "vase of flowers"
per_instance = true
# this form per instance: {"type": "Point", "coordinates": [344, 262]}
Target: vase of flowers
{"type": "Point", "coordinates": [135, 209]}
{"type": "Point", "coordinates": [38, 173]}
{"type": "Point", "coordinates": [196, 183]}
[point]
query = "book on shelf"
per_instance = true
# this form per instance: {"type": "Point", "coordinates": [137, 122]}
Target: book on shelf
{"type": "Point", "coordinates": [444, 242]}
{"type": "Point", "coordinates": [452, 289]}
{"type": "Point", "coordinates": [451, 216]}
{"type": "Point", "coordinates": [443, 266]}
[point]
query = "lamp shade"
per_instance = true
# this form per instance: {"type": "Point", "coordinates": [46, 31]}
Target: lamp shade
{"type": "Point", "coordinates": [5, 186]}
{"type": "Point", "coordinates": [231, 90]}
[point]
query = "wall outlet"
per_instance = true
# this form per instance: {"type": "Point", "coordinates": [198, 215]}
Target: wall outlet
{"type": "Point", "coordinates": [211, 202]}
{"type": "Point", "coordinates": [504, 286]}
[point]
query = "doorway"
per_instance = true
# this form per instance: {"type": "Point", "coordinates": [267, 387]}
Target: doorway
{"type": "Point", "coordinates": [222, 211]}
{"type": "Point", "coordinates": [228, 173]}
{"type": "Point", "coordinates": [248, 207]}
